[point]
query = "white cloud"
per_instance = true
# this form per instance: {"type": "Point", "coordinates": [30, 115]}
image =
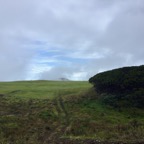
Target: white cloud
{"type": "Point", "coordinates": [104, 34]}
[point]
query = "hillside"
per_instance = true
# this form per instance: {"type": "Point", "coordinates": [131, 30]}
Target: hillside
{"type": "Point", "coordinates": [66, 112]}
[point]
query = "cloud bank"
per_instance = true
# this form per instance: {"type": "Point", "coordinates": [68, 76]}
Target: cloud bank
{"type": "Point", "coordinates": [75, 39]}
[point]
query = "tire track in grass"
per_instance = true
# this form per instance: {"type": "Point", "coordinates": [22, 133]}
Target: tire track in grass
{"type": "Point", "coordinates": [64, 110]}
{"type": "Point", "coordinates": [63, 116]}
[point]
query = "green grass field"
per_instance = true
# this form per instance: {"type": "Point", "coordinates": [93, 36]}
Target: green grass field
{"type": "Point", "coordinates": [41, 89]}
{"type": "Point", "coordinates": [41, 112]}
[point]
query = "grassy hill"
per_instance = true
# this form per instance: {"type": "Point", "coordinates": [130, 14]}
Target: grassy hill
{"type": "Point", "coordinates": [46, 112]}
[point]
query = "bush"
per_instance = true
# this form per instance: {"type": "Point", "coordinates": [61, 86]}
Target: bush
{"type": "Point", "coordinates": [124, 84]}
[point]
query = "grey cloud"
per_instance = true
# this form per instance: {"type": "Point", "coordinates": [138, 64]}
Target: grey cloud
{"type": "Point", "coordinates": [110, 29]}
{"type": "Point", "coordinates": [125, 34]}
{"type": "Point", "coordinates": [14, 58]}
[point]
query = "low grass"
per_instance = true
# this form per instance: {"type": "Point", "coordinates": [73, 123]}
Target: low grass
{"type": "Point", "coordinates": [41, 89]}
{"type": "Point", "coordinates": [40, 112]}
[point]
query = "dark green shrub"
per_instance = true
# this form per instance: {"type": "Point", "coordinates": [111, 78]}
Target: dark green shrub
{"type": "Point", "coordinates": [119, 80]}
{"type": "Point", "coordinates": [136, 98]}
{"type": "Point", "coordinates": [125, 85]}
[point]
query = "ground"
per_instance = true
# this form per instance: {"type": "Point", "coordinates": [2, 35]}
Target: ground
{"type": "Point", "coordinates": [66, 112]}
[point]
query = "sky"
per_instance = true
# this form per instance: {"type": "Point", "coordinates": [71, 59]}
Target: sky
{"type": "Point", "coordinates": [73, 39]}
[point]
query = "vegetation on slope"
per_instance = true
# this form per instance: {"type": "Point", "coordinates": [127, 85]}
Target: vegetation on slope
{"type": "Point", "coordinates": [41, 112]}
{"type": "Point", "coordinates": [123, 86]}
